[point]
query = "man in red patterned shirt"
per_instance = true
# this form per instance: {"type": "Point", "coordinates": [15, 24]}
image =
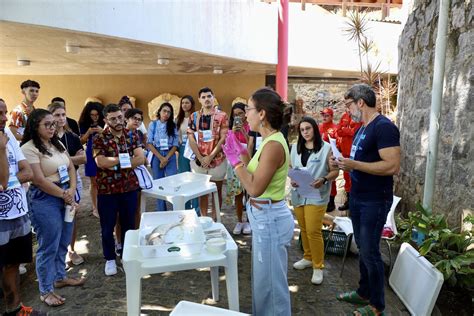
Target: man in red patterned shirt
{"type": "Point", "coordinates": [328, 129]}
{"type": "Point", "coordinates": [117, 152]}
{"type": "Point", "coordinates": [19, 115]}
{"type": "Point", "coordinates": [211, 127]}
{"type": "Point", "coordinates": [345, 132]}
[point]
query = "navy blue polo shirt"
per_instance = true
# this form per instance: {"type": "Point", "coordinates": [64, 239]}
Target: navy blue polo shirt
{"type": "Point", "coordinates": [380, 133]}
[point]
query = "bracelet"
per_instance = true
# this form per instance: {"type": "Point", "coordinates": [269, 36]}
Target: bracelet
{"type": "Point", "coordinates": [241, 164]}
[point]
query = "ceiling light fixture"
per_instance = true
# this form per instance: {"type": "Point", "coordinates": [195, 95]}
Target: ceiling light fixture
{"type": "Point", "coordinates": [72, 48]}
{"type": "Point", "coordinates": [23, 62]}
{"type": "Point", "coordinates": [217, 71]}
{"type": "Point", "coordinates": [163, 61]}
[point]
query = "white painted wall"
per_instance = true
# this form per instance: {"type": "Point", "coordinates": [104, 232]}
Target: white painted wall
{"type": "Point", "coordinates": [245, 29]}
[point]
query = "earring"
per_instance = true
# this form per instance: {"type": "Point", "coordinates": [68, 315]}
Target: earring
{"type": "Point", "coordinates": [261, 124]}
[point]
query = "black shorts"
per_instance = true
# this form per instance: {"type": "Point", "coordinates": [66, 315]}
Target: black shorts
{"type": "Point", "coordinates": [20, 248]}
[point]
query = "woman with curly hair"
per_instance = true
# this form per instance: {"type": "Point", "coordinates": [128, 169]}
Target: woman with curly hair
{"type": "Point", "coordinates": [52, 190]}
{"type": "Point", "coordinates": [91, 123]}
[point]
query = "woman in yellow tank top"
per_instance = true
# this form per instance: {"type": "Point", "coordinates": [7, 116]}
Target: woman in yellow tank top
{"type": "Point", "coordinates": [272, 223]}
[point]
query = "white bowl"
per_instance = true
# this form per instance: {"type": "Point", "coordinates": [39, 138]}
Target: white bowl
{"type": "Point", "coordinates": [206, 222]}
{"type": "Point", "coordinates": [216, 245]}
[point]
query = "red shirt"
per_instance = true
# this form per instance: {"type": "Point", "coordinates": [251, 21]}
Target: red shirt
{"type": "Point", "coordinates": [345, 132]}
{"type": "Point", "coordinates": [108, 145]}
{"type": "Point", "coordinates": [326, 130]}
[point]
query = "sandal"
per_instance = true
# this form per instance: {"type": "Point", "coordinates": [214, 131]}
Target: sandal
{"type": "Point", "coordinates": [368, 310]}
{"type": "Point", "coordinates": [69, 282]}
{"type": "Point", "coordinates": [51, 300]}
{"type": "Point", "coordinates": [352, 297]}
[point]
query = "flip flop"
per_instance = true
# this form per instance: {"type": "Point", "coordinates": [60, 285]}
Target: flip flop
{"type": "Point", "coordinates": [367, 310]}
{"type": "Point", "coordinates": [51, 300]}
{"type": "Point", "coordinates": [69, 282]}
{"type": "Point", "coordinates": [352, 297]}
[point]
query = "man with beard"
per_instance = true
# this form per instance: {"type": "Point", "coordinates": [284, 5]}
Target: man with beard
{"type": "Point", "coordinates": [374, 159]}
{"type": "Point", "coordinates": [211, 127]}
{"type": "Point", "coordinates": [117, 152]}
{"type": "Point", "coordinates": [15, 225]}
{"type": "Point", "coordinates": [19, 115]}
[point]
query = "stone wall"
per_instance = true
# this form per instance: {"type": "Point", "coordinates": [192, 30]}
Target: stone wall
{"type": "Point", "coordinates": [454, 191]}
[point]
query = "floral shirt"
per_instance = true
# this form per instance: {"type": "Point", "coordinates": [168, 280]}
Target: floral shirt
{"type": "Point", "coordinates": [18, 118]}
{"type": "Point", "coordinates": [118, 180]}
{"type": "Point", "coordinates": [215, 122]}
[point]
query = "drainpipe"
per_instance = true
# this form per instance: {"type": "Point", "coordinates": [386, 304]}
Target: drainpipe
{"type": "Point", "coordinates": [282, 66]}
{"type": "Point", "coordinates": [436, 100]}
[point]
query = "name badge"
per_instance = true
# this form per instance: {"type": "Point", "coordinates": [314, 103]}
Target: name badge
{"type": "Point", "coordinates": [164, 144]}
{"type": "Point", "coordinates": [63, 174]}
{"type": "Point", "coordinates": [13, 182]}
{"type": "Point", "coordinates": [353, 151]}
{"type": "Point", "coordinates": [258, 142]}
{"type": "Point", "coordinates": [125, 161]}
{"type": "Point", "coordinates": [207, 136]}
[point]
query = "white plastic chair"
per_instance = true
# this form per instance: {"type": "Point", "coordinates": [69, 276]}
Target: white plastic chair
{"type": "Point", "coordinates": [391, 223]}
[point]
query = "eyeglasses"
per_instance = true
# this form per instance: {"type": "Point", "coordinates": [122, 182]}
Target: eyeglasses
{"type": "Point", "coordinates": [348, 104]}
{"type": "Point", "coordinates": [247, 109]}
{"type": "Point", "coordinates": [116, 119]}
{"type": "Point", "coordinates": [49, 125]}
{"type": "Point", "coordinates": [137, 119]}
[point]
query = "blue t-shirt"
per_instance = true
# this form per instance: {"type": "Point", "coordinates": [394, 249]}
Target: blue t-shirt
{"type": "Point", "coordinates": [380, 133]}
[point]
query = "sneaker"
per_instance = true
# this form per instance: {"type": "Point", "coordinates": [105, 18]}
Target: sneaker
{"type": "Point", "coordinates": [75, 258]}
{"type": "Point", "coordinates": [247, 229]}
{"type": "Point", "coordinates": [238, 228]}
{"type": "Point", "coordinates": [302, 264]}
{"type": "Point", "coordinates": [317, 276]}
{"type": "Point", "coordinates": [110, 267]}
{"type": "Point", "coordinates": [22, 268]}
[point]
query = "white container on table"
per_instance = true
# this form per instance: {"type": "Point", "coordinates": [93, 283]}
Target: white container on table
{"type": "Point", "coordinates": [184, 240]}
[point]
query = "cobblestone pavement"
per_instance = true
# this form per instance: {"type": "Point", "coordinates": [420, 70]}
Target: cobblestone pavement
{"type": "Point", "coordinates": [102, 295]}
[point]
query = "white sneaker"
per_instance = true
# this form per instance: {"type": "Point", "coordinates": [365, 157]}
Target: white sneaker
{"type": "Point", "coordinates": [238, 228]}
{"type": "Point", "coordinates": [317, 276]}
{"type": "Point", "coordinates": [110, 267]}
{"type": "Point", "coordinates": [302, 264]}
{"type": "Point", "coordinates": [22, 268]}
{"type": "Point", "coordinates": [247, 229]}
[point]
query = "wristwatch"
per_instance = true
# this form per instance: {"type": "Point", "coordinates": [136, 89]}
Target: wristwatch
{"type": "Point", "coordinates": [325, 180]}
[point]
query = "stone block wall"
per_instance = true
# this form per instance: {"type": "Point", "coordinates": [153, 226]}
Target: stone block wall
{"type": "Point", "coordinates": [454, 190]}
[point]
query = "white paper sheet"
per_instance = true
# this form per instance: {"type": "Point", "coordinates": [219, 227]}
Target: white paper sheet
{"type": "Point", "coordinates": [335, 152]}
{"type": "Point", "coordinates": [304, 179]}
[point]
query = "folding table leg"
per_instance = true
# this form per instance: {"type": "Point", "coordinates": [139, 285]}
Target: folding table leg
{"type": "Point", "coordinates": [134, 293]}
{"type": "Point", "coordinates": [346, 249]}
{"type": "Point", "coordinates": [215, 283]}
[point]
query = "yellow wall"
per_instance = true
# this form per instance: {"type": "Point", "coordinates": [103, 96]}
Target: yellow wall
{"type": "Point", "coordinates": [110, 88]}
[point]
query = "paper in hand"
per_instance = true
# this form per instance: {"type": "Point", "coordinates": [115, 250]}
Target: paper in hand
{"type": "Point", "coordinates": [304, 179]}
{"type": "Point", "coordinates": [335, 152]}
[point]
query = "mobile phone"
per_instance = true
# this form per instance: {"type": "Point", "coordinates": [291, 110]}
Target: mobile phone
{"type": "Point", "coordinates": [238, 120]}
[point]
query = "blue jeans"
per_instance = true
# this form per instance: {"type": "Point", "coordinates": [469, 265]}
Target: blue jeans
{"type": "Point", "coordinates": [184, 166]}
{"type": "Point", "coordinates": [368, 218]}
{"type": "Point", "coordinates": [272, 231]}
{"type": "Point", "coordinates": [125, 204]}
{"type": "Point", "coordinates": [53, 235]}
{"type": "Point", "coordinates": [169, 170]}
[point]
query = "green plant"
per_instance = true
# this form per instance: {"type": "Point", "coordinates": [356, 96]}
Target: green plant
{"type": "Point", "coordinates": [451, 252]}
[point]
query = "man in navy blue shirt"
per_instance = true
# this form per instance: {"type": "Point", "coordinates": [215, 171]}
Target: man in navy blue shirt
{"type": "Point", "coordinates": [374, 159]}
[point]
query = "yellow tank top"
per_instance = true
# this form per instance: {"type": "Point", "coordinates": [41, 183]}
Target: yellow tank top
{"type": "Point", "coordinates": [276, 189]}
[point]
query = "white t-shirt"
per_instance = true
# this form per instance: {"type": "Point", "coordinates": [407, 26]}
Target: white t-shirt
{"type": "Point", "coordinates": [13, 203]}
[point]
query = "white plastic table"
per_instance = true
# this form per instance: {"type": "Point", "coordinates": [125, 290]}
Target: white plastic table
{"type": "Point", "coordinates": [136, 267]}
{"type": "Point", "coordinates": [185, 308]}
{"type": "Point", "coordinates": [163, 192]}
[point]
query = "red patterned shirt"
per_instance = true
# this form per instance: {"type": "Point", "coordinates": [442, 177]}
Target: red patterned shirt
{"type": "Point", "coordinates": [120, 180]}
{"type": "Point", "coordinates": [19, 116]}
